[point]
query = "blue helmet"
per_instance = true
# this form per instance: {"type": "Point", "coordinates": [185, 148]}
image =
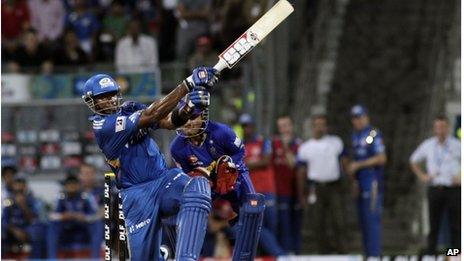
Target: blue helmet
{"type": "Point", "coordinates": [101, 84]}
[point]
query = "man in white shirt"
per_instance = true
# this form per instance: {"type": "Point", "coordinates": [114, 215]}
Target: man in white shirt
{"type": "Point", "coordinates": [47, 17]}
{"type": "Point", "coordinates": [136, 52]}
{"type": "Point", "coordinates": [319, 165]}
{"type": "Point", "coordinates": [442, 157]}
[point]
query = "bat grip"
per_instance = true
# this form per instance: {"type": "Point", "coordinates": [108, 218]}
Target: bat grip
{"type": "Point", "coordinates": [220, 65]}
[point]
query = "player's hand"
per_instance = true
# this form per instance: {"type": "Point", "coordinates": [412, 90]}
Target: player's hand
{"type": "Point", "coordinates": [353, 167]}
{"type": "Point", "coordinates": [202, 76]}
{"type": "Point", "coordinates": [199, 97]}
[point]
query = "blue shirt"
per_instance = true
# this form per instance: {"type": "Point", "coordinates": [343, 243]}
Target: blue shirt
{"type": "Point", "coordinates": [14, 215]}
{"type": "Point", "coordinates": [220, 140]}
{"type": "Point", "coordinates": [84, 25]}
{"type": "Point", "coordinates": [367, 143]}
{"type": "Point", "coordinates": [132, 155]}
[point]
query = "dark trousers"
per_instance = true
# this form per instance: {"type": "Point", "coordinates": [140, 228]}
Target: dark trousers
{"type": "Point", "coordinates": [442, 199]}
{"type": "Point", "coordinates": [328, 214]}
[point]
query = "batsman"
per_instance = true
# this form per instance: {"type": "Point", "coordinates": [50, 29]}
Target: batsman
{"type": "Point", "coordinates": [213, 150]}
{"type": "Point", "coordinates": [149, 189]}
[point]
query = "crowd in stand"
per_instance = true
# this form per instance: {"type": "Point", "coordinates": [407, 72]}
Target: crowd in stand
{"type": "Point", "coordinates": [134, 35]}
{"type": "Point", "coordinates": [296, 177]}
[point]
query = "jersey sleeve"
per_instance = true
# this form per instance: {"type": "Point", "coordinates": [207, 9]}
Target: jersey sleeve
{"type": "Point", "coordinates": [117, 132]}
{"type": "Point", "coordinates": [301, 156]}
{"type": "Point", "coordinates": [378, 144]}
{"type": "Point", "coordinates": [232, 144]}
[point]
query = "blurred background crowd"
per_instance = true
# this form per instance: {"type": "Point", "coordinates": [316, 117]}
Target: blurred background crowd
{"type": "Point", "coordinates": [291, 100]}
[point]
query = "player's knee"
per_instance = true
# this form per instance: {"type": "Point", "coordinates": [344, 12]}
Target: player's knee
{"type": "Point", "coordinates": [197, 193]}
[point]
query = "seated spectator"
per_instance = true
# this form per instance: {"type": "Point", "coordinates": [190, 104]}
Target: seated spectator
{"type": "Point", "coordinates": [70, 52]}
{"type": "Point", "coordinates": [91, 185]}
{"type": "Point", "coordinates": [204, 53]}
{"type": "Point", "coordinates": [9, 48]}
{"type": "Point", "coordinates": [32, 54]}
{"type": "Point", "coordinates": [72, 222]}
{"type": "Point", "coordinates": [136, 52]}
{"type": "Point", "coordinates": [47, 17]}
{"type": "Point", "coordinates": [193, 17]}
{"type": "Point", "coordinates": [115, 23]}
{"type": "Point", "coordinates": [15, 19]}
{"type": "Point", "coordinates": [84, 23]}
{"type": "Point", "coordinates": [21, 236]}
{"type": "Point", "coordinates": [217, 242]}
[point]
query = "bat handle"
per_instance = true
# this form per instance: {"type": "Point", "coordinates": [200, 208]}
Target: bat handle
{"type": "Point", "coordinates": [220, 65]}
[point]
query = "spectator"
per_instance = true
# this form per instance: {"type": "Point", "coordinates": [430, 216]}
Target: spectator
{"type": "Point", "coordinates": [15, 19]}
{"type": "Point", "coordinates": [84, 23]}
{"type": "Point", "coordinates": [284, 148]}
{"type": "Point", "coordinates": [442, 155]}
{"type": "Point", "coordinates": [193, 20]}
{"type": "Point", "coordinates": [70, 52]}
{"type": "Point", "coordinates": [32, 54]}
{"type": "Point", "coordinates": [115, 23]}
{"type": "Point", "coordinates": [47, 17]}
{"type": "Point", "coordinates": [8, 175]}
{"type": "Point", "coordinates": [136, 52]}
{"type": "Point", "coordinates": [204, 53]}
{"type": "Point", "coordinates": [91, 186]}
{"type": "Point", "coordinates": [9, 49]}
{"type": "Point", "coordinates": [216, 239]}
{"type": "Point", "coordinates": [20, 234]}
{"type": "Point", "coordinates": [367, 167]}
{"type": "Point", "coordinates": [320, 167]}
{"type": "Point", "coordinates": [258, 153]}
{"type": "Point", "coordinates": [71, 228]}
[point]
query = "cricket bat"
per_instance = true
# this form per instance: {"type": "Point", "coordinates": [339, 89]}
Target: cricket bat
{"type": "Point", "coordinates": [255, 34]}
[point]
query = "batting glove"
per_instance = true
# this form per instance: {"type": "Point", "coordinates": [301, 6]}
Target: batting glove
{"type": "Point", "coordinates": [202, 76]}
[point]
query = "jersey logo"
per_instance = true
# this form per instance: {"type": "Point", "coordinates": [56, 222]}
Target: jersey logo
{"type": "Point", "coordinates": [120, 123]}
{"type": "Point", "coordinates": [106, 82]}
{"type": "Point", "coordinates": [237, 142]}
{"type": "Point", "coordinates": [98, 124]}
{"type": "Point", "coordinates": [134, 116]}
{"type": "Point", "coordinates": [115, 163]}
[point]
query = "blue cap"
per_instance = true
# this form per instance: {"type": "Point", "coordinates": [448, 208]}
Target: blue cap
{"type": "Point", "coordinates": [358, 110]}
{"type": "Point", "coordinates": [100, 84]}
{"type": "Point", "coordinates": [245, 119]}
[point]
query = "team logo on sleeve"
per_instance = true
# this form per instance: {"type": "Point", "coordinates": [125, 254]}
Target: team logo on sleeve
{"type": "Point", "coordinates": [120, 123]}
{"type": "Point", "coordinates": [106, 82]}
{"type": "Point", "coordinates": [237, 142]}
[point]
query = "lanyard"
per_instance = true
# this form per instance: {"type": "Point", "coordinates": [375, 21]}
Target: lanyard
{"type": "Point", "coordinates": [440, 155]}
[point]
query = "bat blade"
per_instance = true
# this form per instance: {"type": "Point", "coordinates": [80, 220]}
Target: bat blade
{"type": "Point", "coordinates": [255, 34]}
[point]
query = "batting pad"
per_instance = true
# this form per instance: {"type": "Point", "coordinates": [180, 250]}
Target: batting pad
{"type": "Point", "coordinates": [193, 219]}
{"type": "Point", "coordinates": [249, 227]}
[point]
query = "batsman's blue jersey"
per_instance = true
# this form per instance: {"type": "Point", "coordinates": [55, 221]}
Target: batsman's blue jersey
{"type": "Point", "coordinates": [133, 156]}
{"type": "Point", "coordinates": [220, 140]}
{"type": "Point", "coordinates": [367, 143]}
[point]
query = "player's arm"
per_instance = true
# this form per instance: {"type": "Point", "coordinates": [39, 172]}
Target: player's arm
{"type": "Point", "coordinates": [379, 159]}
{"type": "Point", "coordinates": [417, 157]}
{"type": "Point", "coordinates": [301, 183]}
{"type": "Point", "coordinates": [162, 111]}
